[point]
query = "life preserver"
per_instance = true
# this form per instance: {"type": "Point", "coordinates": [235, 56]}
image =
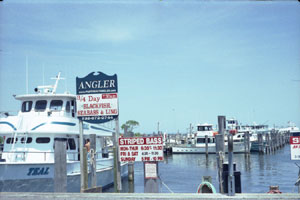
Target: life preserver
{"type": "Point", "coordinates": [206, 187]}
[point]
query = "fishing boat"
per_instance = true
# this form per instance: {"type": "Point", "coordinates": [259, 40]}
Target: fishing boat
{"type": "Point", "coordinates": [27, 162]}
{"type": "Point", "coordinates": [203, 131]}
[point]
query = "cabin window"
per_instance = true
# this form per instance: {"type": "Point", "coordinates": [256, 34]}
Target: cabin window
{"type": "Point", "coordinates": [68, 107]}
{"type": "Point", "coordinates": [42, 140]}
{"type": "Point", "coordinates": [11, 140]}
{"type": "Point", "coordinates": [71, 144]}
{"type": "Point", "coordinates": [200, 140]}
{"type": "Point", "coordinates": [56, 105]}
{"type": "Point", "coordinates": [73, 108]}
{"type": "Point", "coordinates": [204, 128]}
{"type": "Point", "coordinates": [40, 105]}
{"type": "Point", "coordinates": [26, 106]}
{"type": "Point", "coordinates": [29, 140]}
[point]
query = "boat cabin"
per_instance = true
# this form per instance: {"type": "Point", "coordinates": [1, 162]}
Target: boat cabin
{"type": "Point", "coordinates": [204, 130]}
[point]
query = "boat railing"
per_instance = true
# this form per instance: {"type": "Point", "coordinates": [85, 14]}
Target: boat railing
{"type": "Point", "coordinates": [47, 156]}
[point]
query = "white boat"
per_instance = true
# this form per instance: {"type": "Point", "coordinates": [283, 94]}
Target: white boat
{"type": "Point", "coordinates": [27, 162]}
{"type": "Point", "coordinates": [200, 145]}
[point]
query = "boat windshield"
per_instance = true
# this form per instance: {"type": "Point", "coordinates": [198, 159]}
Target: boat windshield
{"type": "Point", "coordinates": [26, 106]}
{"type": "Point", "coordinates": [204, 128]}
{"type": "Point", "coordinates": [56, 105]}
{"type": "Point", "coordinates": [40, 105]}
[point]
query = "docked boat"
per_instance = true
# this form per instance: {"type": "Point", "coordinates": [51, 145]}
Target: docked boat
{"type": "Point", "coordinates": [203, 131]}
{"type": "Point", "coordinates": [27, 162]}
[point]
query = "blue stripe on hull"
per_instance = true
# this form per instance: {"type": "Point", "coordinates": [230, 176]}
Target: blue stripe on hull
{"type": "Point", "coordinates": [9, 124]}
{"type": "Point", "coordinates": [57, 123]}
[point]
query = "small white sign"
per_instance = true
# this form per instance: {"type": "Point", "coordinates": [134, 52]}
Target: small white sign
{"type": "Point", "coordinates": [150, 170]}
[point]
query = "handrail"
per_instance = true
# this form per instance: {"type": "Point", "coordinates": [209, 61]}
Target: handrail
{"type": "Point", "coordinates": [73, 156]}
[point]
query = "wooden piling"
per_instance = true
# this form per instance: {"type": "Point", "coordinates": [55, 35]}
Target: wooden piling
{"type": "Point", "coordinates": [220, 150]}
{"type": "Point", "coordinates": [260, 143]}
{"type": "Point", "coordinates": [93, 154]}
{"type": "Point", "coordinates": [84, 170]}
{"type": "Point", "coordinates": [117, 164]}
{"type": "Point", "coordinates": [60, 165]}
{"type": "Point", "coordinates": [268, 143]}
{"type": "Point", "coordinates": [247, 142]}
{"type": "Point", "coordinates": [130, 164]}
{"type": "Point", "coordinates": [206, 146]}
{"type": "Point", "coordinates": [231, 179]}
{"type": "Point", "coordinates": [151, 183]}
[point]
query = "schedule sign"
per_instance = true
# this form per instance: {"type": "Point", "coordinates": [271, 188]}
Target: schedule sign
{"type": "Point", "coordinates": [141, 149]}
{"type": "Point", "coordinates": [97, 97]}
{"type": "Point", "coordinates": [295, 147]}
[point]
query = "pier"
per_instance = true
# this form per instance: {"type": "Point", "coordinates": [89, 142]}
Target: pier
{"type": "Point", "coordinates": [115, 196]}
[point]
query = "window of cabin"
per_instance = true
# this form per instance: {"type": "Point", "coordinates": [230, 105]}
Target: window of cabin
{"type": "Point", "coordinates": [40, 105]}
{"type": "Point", "coordinates": [71, 144]}
{"type": "Point", "coordinates": [73, 108]}
{"type": "Point", "coordinates": [68, 107]}
{"type": "Point", "coordinates": [11, 140]}
{"type": "Point", "coordinates": [26, 106]}
{"type": "Point", "coordinates": [200, 140]}
{"type": "Point", "coordinates": [42, 140]}
{"type": "Point", "coordinates": [29, 140]}
{"type": "Point", "coordinates": [56, 105]}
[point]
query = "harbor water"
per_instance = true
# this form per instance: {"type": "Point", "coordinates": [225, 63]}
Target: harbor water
{"type": "Point", "coordinates": [182, 173]}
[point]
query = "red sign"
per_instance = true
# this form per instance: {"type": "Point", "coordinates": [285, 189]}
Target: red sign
{"type": "Point", "coordinates": [141, 149]}
{"type": "Point", "coordinates": [295, 140]}
{"type": "Point", "coordinates": [295, 147]}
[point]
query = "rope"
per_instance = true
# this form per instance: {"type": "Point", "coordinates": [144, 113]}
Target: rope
{"type": "Point", "coordinates": [165, 185]}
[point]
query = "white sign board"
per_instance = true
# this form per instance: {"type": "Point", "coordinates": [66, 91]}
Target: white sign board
{"type": "Point", "coordinates": [97, 106]}
{"type": "Point", "coordinates": [150, 170]}
{"type": "Point", "coordinates": [141, 149]}
{"type": "Point", "coordinates": [295, 147]}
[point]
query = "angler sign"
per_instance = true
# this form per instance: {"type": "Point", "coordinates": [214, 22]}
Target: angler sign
{"type": "Point", "coordinates": [141, 149]}
{"type": "Point", "coordinates": [97, 97]}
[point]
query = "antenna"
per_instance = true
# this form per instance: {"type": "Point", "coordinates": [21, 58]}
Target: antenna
{"type": "Point", "coordinates": [43, 73]}
{"type": "Point", "coordinates": [26, 74]}
{"type": "Point", "coordinates": [56, 82]}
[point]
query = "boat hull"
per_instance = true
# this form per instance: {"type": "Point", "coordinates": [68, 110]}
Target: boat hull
{"type": "Point", "coordinates": [38, 177]}
{"type": "Point", "coordinates": [237, 148]}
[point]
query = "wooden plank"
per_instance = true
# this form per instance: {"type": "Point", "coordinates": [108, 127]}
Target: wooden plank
{"type": "Point", "coordinates": [148, 196]}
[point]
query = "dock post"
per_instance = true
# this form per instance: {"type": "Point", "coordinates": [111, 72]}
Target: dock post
{"type": "Point", "coordinates": [60, 165]}
{"type": "Point", "coordinates": [220, 150]}
{"type": "Point", "coordinates": [260, 143]}
{"type": "Point", "coordinates": [247, 142]}
{"type": "Point", "coordinates": [85, 169]}
{"type": "Point", "coordinates": [206, 146]}
{"type": "Point", "coordinates": [222, 128]}
{"type": "Point", "coordinates": [117, 164]}
{"type": "Point", "coordinates": [231, 179]}
{"type": "Point", "coordinates": [268, 143]}
{"type": "Point", "coordinates": [131, 164]}
{"type": "Point", "coordinates": [83, 175]}
{"type": "Point", "coordinates": [151, 177]}
{"type": "Point", "coordinates": [93, 153]}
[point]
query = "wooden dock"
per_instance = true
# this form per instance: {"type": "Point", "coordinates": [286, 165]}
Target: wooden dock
{"type": "Point", "coordinates": [115, 196]}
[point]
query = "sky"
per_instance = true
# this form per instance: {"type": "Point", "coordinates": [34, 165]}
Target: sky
{"type": "Point", "coordinates": [178, 62]}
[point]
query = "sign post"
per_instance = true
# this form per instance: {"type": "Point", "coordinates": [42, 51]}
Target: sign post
{"type": "Point", "coordinates": [97, 102]}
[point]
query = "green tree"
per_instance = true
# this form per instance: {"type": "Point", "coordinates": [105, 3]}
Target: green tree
{"type": "Point", "coordinates": [131, 124]}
